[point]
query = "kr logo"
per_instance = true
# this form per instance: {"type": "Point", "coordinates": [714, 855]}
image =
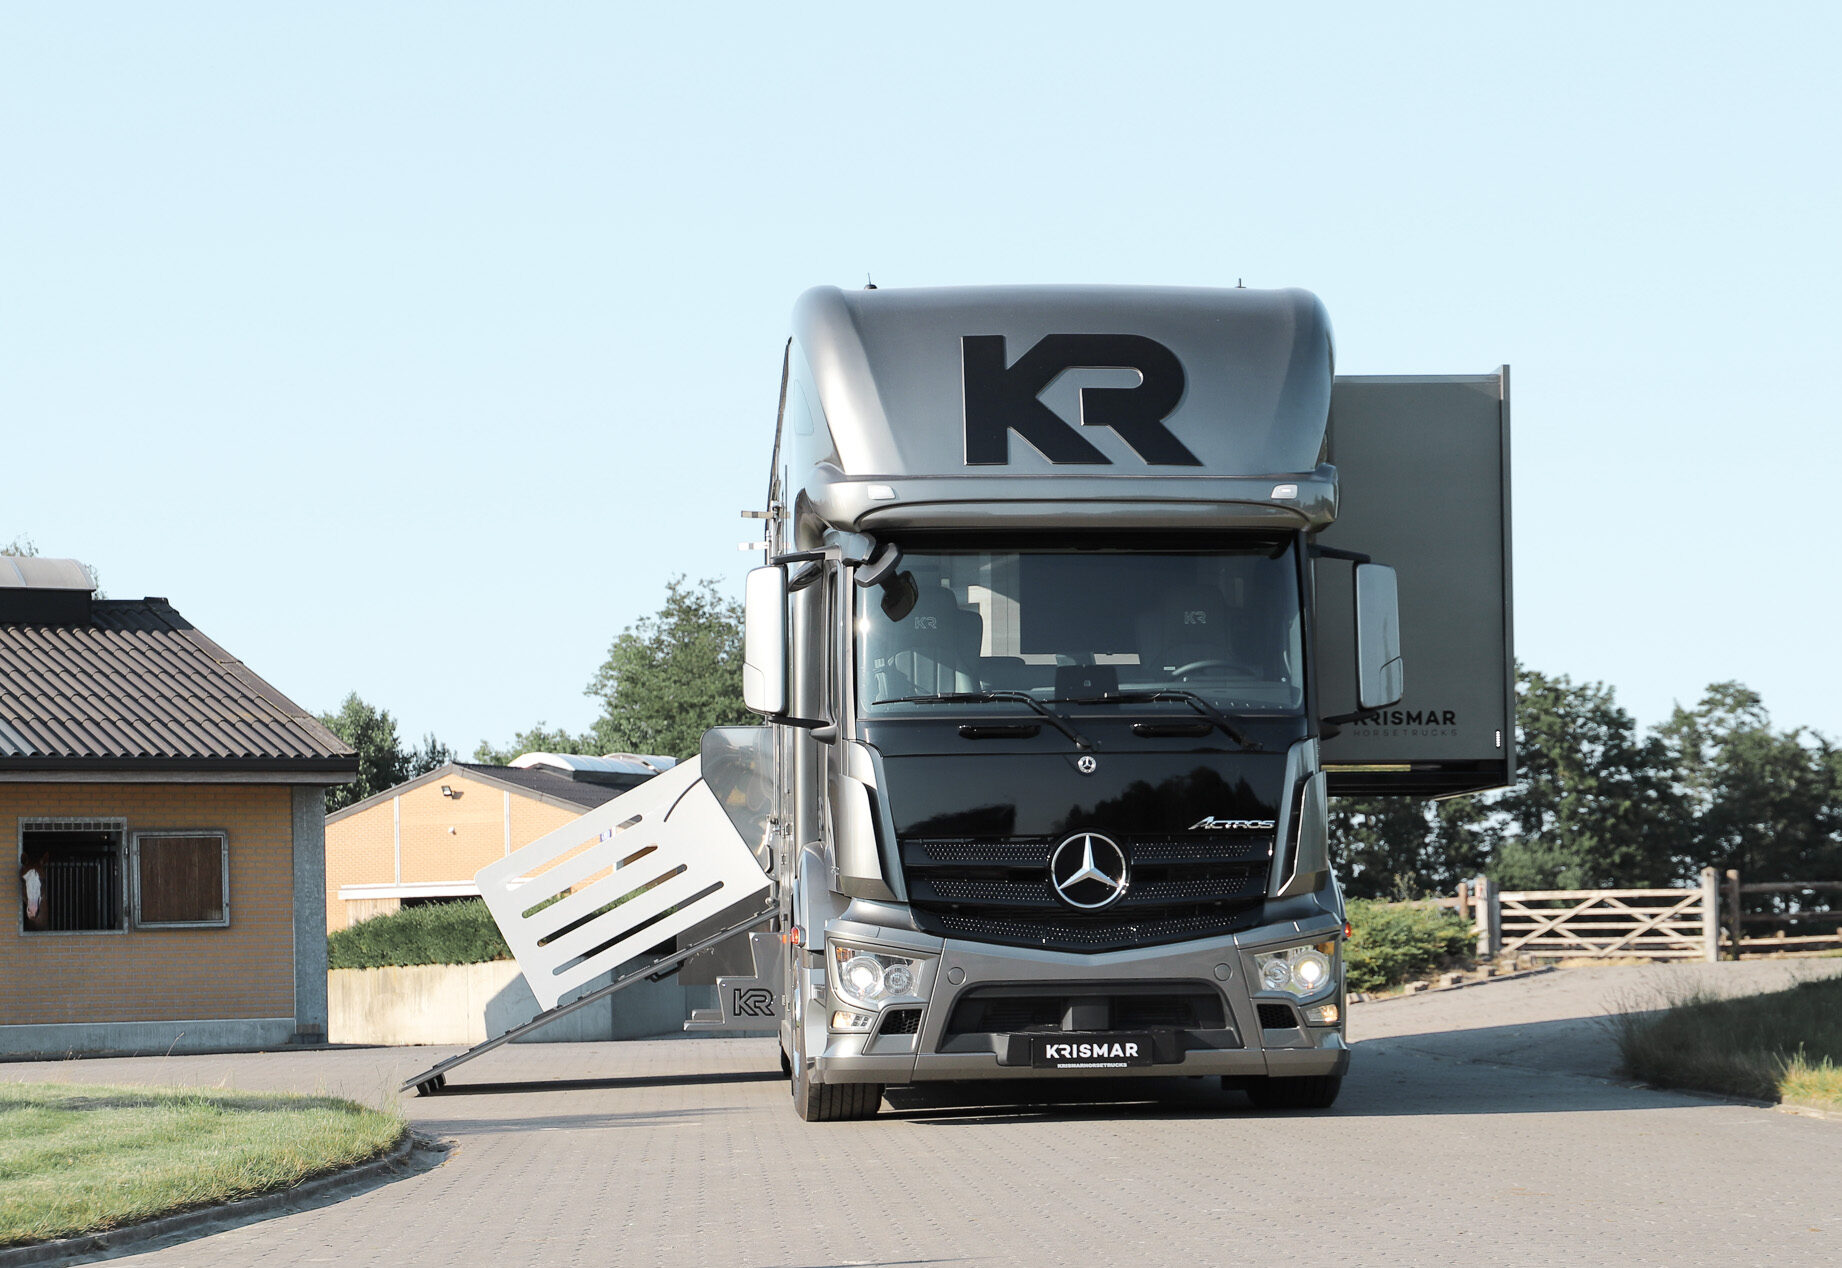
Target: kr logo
{"type": "Point", "coordinates": [752, 1001]}
{"type": "Point", "coordinates": [1001, 399]}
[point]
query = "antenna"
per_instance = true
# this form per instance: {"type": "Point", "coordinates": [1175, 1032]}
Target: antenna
{"type": "Point", "coordinates": [868, 285]}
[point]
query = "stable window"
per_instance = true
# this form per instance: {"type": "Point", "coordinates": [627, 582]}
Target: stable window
{"type": "Point", "coordinates": [181, 878]}
{"type": "Point", "coordinates": [71, 875]}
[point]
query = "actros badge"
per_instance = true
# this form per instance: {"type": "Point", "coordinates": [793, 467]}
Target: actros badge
{"type": "Point", "coordinates": [1001, 398]}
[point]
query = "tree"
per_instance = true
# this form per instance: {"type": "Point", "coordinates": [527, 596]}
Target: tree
{"type": "Point", "coordinates": [1593, 804]}
{"type": "Point", "coordinates": [382, 761]}
{"type": "Point", "coordinates": [672, 676]}
{"type": "Point", "coordinates": [539, 739]}
{"type": "Point", "coordinates": [1766, 802]}
{"type": "Point", "coordinates": [21, 546]}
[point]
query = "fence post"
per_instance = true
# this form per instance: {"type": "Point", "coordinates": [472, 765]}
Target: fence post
{"type": "Point", "coordinates": [1489, 923]}
{"type": "Point", "coordinates": [1736, 916]}
{"type": "Point", "coordinates": [1710, 915]}
{"type": "Point", "coordinates": [1464, 899]}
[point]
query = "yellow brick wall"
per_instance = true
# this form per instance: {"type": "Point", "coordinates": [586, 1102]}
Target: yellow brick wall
{"type": "Point", "coordinates": [445, 840]}
{"type": "Point", "coordinates": [246, 970]}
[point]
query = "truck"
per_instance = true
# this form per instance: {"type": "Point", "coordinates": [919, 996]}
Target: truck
{"type": "Point", "coordinates": [1079, 605]}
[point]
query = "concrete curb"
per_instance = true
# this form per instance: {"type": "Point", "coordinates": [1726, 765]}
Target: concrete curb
{"type": "Point", "coordinates": [116, 1240]}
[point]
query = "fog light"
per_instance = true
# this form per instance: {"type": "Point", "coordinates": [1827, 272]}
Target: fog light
{"type": "Point", "coordinates": [1322, 1015]}
{"type": "Point", "coordinates": [845, 1019]}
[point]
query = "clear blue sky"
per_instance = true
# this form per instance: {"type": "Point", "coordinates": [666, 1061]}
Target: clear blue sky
{"type": "Point", "coordinates": [411, 348]}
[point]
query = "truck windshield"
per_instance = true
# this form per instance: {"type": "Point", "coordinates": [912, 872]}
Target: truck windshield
{"type": "Point", "coordinates": [1084, 625]}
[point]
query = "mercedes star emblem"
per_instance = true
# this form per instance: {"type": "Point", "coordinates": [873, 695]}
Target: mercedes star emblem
{"type": "Point", "coordinates": [1088, 871]}
{"type": "Point", "coordinates": [1087, 763]}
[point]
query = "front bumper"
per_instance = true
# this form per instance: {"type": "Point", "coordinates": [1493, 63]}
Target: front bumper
{"type": "Point", "coordinates": [1240, 1047]}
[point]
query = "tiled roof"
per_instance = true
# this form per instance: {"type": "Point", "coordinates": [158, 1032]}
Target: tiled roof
{"type": "Point", "coordinates": [140, 686]}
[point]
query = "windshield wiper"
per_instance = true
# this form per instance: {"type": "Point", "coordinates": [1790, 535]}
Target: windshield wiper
{"type": "Point", "coordinates": [1190, 698]}
{"type": "Point", "coordinates": [1054, 719]}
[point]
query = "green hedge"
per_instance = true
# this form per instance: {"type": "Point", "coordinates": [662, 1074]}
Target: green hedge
{"type": "Point", "coordinates": [1393, 943]}
{"type": "Point", "coordinates": [460, 932]}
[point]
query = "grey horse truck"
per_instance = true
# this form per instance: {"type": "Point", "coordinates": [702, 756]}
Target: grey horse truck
{"type": "Point", "coordinates": [1079, 603]}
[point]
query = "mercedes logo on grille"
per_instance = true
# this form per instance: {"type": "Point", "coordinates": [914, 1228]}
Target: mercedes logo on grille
{"type": "Point", "coordinates": [1088, 871]}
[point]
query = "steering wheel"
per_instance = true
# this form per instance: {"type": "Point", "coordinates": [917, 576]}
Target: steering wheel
{"type": "Point", "coordinates": [1196, 666]}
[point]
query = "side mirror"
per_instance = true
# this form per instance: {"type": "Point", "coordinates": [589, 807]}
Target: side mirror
{"type": "Point", "coordinates": [1381, 679]}
{"type": "Point", "coordinates": [764, 641]}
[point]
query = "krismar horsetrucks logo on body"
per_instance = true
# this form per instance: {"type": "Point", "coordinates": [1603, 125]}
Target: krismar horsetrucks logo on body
{"type": "Point", "coordinates": [1088, 871]}
{"type": "Point", "coordinates": [1003, 397]}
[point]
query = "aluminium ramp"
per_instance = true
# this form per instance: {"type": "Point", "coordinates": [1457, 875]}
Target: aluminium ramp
{"type": "Point", "coordinates": [578, 902]}
{"type": "Point", "coordinates": [652, 864]}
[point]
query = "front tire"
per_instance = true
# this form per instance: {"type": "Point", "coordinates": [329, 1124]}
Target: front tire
{"type": "Point", "coordinates": [1314, 1091]}
{"type": "Point", "coordinates": [817, 1102]}
{"type": "Point", "coordinates": [836, 1102]}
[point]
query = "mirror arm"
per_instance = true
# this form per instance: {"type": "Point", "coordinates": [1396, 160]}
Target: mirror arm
{"type": "Point", "coordinates": [825, 732]}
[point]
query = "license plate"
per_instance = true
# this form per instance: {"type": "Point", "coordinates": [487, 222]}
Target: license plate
{"type": "Point", "coordinates": [1089, 1052]}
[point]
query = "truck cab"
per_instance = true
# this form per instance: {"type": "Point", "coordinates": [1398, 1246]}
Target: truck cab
{"type": "Point", "coordinates": [1062, 651]}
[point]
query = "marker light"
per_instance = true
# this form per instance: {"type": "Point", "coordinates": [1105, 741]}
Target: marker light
{"type": "Point", "coordinates": [845, 1019]}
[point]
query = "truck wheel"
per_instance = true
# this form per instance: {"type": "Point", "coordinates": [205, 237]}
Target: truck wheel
{"type": "Point", "coordinates": [826, 1102]}
{"type": "Point", "coordinates": [1316, 1091]}
{"type": "Point", "coordinates": [836, 1102]}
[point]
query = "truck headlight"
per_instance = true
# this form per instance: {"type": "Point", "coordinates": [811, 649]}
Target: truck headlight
{"type": "Point", "coordinates": [869, 979]}
{"type": "Point", "coordinates": [1299, 971]}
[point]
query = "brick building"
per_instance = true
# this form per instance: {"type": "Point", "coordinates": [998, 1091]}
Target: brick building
{"type": "Point", "coordinates": [423, 840]}
{"type": "Point", "coordinates": [165, 809]}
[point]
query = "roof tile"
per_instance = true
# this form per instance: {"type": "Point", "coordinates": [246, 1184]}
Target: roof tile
{"type": "Point", "coordinates": [141, 682]}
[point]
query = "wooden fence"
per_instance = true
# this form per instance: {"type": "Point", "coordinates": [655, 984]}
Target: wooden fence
{"type": "Point", "coordinates": [1800, 915]}
{"type": "Point", "coordinates": [1653, 924]}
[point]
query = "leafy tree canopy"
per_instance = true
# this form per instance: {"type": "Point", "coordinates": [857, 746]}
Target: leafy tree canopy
{"type": "Point", "coordinates": [1597, 803]}
{"type": "Point", "coordinates": [672, 676]}
{"type": "Point", "coordinates": [539, 739]}
{"type": "Point", "coordinates": [1766, 802]}
{"type": "Point", "coordinates": [383, 762]}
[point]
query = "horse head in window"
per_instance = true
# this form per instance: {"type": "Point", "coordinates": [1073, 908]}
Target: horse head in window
{"type": "Point", "coordinates": [35, 878]}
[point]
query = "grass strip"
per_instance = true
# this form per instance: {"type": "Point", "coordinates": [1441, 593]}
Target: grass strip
{"type": "Point", "coordinates": [1780, 1046]}
{"type": "Point", "coordinates": [84, 1158]}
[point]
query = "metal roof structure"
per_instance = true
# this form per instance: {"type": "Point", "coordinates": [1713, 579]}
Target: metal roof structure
{"type": "Point", "coordinates": [139, 688]}
{"type": "Point", "coordinates": [29, 572]}
{"type": "Point", "coordinates": [644, 765]}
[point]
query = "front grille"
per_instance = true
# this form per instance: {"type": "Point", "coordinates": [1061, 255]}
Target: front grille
{"type": "Point", "coordinates": [1074, 1007]}
{"type": "Point", "coordinates": [997, 889]}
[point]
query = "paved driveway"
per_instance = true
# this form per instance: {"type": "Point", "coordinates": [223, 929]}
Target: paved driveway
{"type": "Point", "coordinates": [1479, 1125]}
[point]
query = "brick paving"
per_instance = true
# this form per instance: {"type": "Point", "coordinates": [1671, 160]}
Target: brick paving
{"type": "Point", "coordinates": [1480, 1123]}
